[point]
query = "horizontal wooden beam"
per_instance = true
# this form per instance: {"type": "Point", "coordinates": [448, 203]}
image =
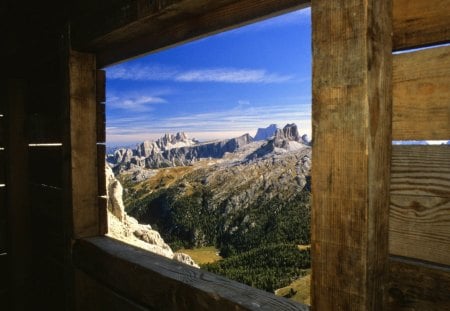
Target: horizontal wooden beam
{"type": "Point", "coordinates": [92, 296]}
{"type": "Point", "coordinates": [421, 170]}
{"type": "Point", "coordinates": [421, 95]}
{"type": "Point", "coordinates": [419, 216]}
{"type": "Point", "coordinates": [133, 273]}
{"type": "Point", "coordinates": [419, 227]}
{"type": "Point", "coordinates": [413, 285]}
{"type": "Point", "coordinates": [418, 23]}
{"type": "Point", "coordinates": [146, 30]}
{"type": "Point", "coordinates": [46, 165]}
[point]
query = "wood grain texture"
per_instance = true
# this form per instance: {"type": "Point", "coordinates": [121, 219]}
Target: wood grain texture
{"type": "Point", "coordinates": [419, 23]}
{"type": "Point", "coordinates": [83, 143]}
{"type": "Point", "coordinates": [138, 29]}
{"type": "Point", "coordinates": [351, 153]}
{"type": "Point", "coordinates": [413, 285]}
{"type": "Point", "coordinates": [91, 295]}
{"type": "Point", "coordinates": [421, 171]}
{"type": "Point", "coordinates": [421, 94]}
{"type": "Point", "coordinates": [46, 165]}
{"type": "Point", "coordinates": [419, 217]}
{"type": "Point", "coordinates": [419, 227]}
{"type": "Point", "coordinates": [163, 284]}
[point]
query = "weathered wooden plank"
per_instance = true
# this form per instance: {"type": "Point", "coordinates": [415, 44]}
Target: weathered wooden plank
{"type": "Point", "coordinates": [101, 155]}
{"type": "Point", "coordinates": [3, 207]}
{"type": "Point", "coordinates": [47, 207]}
{"type": "Point", "coordinates": [4, 240]}
{"type": "Point", "coordinates": [103, 215]}
{"type": "Point", "coordinates": [352, 144]}
{"type": "Point", "coordinates": [50, 291]}
{"type": "Point", "coordinates": [19, 212]}
{"type": "Point", "coordinates": [419, 23]}
{"type": "Point", "coordinates": [101, 122]}
{"type": "Point", "coordinates": [91, 295]}
{"type": "Point", "coordinates": [45, 91]}
{"type": "Point", "coordinates": [101, 99]}
{"type": "Point", "coordinates": [414, 285]}
{"type": "Point", "coordinates": [4, 281]}
{"type": "Point", "coordinates": [2, 131]}
{"type": "Point", "coordinates": [50, 245]}
{"type": "Point", "coordinates": [2, 167]}
{"type": "Point", "coordinates": [133, 272]}
{"type": "Point", "coordinates": [419, 227]}
{"type": "Point", "coordinates": [421, 93]}
{"type": "Point", "coordinates": [421, 171]}
{"type": "Point", "coordinates": [44, 128]}
{"type": "Point", "coordinates": [3, 236]}
{"type": "Point", "coordinates": [143, 29]}
{"type": "Point", "coordinates": [101, 86]}
{"type": "Point", "coordinates": [83, 143]}
{"type": "Point", "coordinates": [102, 201]}
{"type": "Point", "coordinates": [46, 165]}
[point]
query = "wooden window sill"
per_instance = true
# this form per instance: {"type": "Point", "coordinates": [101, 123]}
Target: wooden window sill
{"type": "Point", "coordinates": [163, 284]}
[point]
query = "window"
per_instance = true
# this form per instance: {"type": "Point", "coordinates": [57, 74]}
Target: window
{"type": "Point", "coordinates": [211, 146]}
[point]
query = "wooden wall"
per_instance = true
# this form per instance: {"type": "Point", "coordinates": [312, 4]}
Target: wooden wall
{"type": "Point", "coordinates": [4, 240]}
{"type": "Point", "coordinates": [419, 212]}
{"type": "Point", "coordinates": [46, 98]}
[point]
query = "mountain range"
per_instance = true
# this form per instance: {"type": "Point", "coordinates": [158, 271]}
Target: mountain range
{"type": "Point", "coordinates": [179, 150]}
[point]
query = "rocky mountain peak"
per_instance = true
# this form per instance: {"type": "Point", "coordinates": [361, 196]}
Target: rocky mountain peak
{"type": "Point", "coordinates": [266, 133]}
{"type": "Point", "coordinates": [290, 132]}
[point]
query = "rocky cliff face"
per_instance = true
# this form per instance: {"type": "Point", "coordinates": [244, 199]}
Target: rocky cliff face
{"type": "Point", "coordinates": [266, 133]}
{"type": "Point", "coordinates": [170, 151]}
{"type": "Point", "coordinates": [126, 228]}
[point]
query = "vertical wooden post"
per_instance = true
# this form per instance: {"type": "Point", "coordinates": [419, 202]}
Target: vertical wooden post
{"type": "Point", "coordinates": [82, 137]}
{"type": "Point", "coordinates": [352, 58]}
{"type": "Point", "coordinates": [19, 211]}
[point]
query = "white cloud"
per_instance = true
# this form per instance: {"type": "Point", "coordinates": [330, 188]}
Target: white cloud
{"type": "Point", "coordinates": [140, 73]}
{"type": "Point", "coordinates": [220, 75]}
{"type": "Point", "coordinates": [220, 124]}
{"type": "Point", "coordinates": [134, 103]}
{"type": "Point", "coordinates": [231, 75]}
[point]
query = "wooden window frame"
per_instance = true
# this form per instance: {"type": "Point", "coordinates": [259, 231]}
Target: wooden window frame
{"type": "Point", "coordinates": [349, 226]}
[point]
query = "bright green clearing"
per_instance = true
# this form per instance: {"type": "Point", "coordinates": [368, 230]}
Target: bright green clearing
{"type": "Point", "coordinates": [202, 255]}
{"type": "Point", "coordinates": [299, 290]}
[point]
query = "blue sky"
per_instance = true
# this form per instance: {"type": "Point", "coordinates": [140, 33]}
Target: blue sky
{"type": "Point", "coordinates": [218, 87]}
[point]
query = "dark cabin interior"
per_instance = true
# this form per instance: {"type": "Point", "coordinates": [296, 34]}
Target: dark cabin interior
{"type": "Point", "coordinates": [380, 213]}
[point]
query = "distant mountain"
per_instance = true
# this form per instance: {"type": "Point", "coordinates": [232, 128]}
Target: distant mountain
{"type": "Point", "coordinates": [179, 150]}
{"type": "Point", "coordinates": [266, 133]}
{"type": "Point", "coordinates": [410, 142]}
{"type": "Point", "coordinates": [286, 139]}
{"type": "Point", "coordinates": [174, 150]}
{"type": "Point", "coordinates": [235, 203]}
